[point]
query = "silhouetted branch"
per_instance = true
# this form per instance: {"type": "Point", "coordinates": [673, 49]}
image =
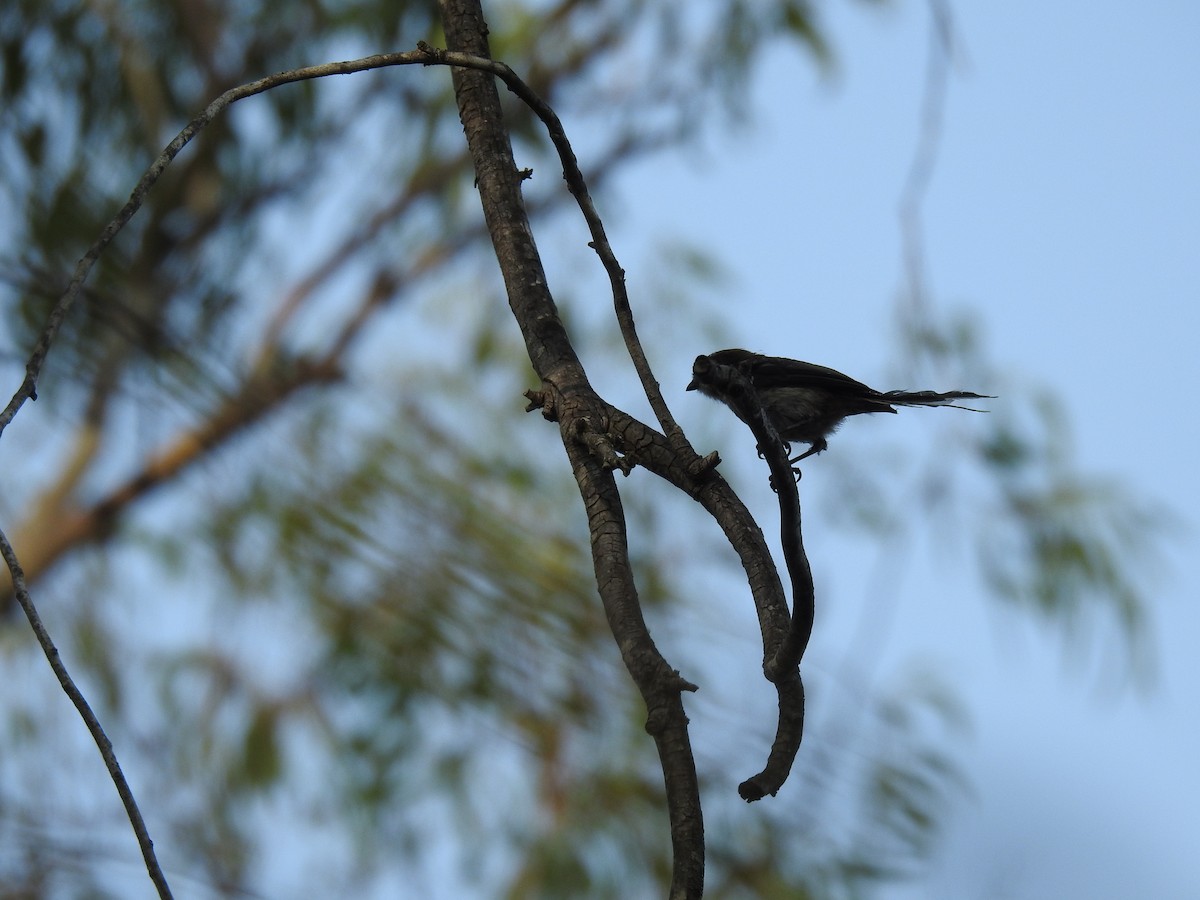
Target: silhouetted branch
{"type": "Point", "coordinates": [89, 718]}
{"type": "Point", "coordinates": [567, 397]}
{"type": "Point", "coordinates": [597, 437]}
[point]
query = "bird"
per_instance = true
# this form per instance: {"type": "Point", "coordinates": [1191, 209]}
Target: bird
{"type": "Point", "coordinates": [804, 402]}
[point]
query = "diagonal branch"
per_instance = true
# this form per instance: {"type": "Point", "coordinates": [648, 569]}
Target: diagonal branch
{"type": "Point", "coordinates": [89, 717]}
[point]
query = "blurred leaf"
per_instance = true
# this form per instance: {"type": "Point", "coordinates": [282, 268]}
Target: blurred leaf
{"type": "Point", "coordinates": [262, 764]}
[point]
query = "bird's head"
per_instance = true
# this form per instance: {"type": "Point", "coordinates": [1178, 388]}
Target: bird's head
{"type": "Point", "coordinates": [700, 372]}
{"type": "Point", "coordinates": [704, 369]}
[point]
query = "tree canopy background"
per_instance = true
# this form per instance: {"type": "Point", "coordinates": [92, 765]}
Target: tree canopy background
{"type": "Point", "coordinates": [356, 617]}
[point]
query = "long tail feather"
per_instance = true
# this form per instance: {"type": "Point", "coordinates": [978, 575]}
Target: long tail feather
{"type": "Point", "coordinates": [933, 398]}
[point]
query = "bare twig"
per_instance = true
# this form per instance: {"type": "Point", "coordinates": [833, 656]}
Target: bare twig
{"type": "Point", "coordinates": [89, 717]}
{"type": "Point", "coordinates": [924, 158]}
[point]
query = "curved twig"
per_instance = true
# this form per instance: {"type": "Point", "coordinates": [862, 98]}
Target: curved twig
{"type": "Point", "coordinates": [780, 631]}
{"type": "Point", "coordinates": [33, 367]}
{"type": "Point", "coordinates": [782, 653]}
{"type": "Point", "coordinates": [781, 665]}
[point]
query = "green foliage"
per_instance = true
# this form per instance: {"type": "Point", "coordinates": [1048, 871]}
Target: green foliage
{"type": "Point", "coordinates": [1061, 542]}
{"type": "Point", "coordinates": [1071, 547]}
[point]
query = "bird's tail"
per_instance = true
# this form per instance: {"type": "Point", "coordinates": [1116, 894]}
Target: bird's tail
{"type": "Point", "coordinates": [933, 398]}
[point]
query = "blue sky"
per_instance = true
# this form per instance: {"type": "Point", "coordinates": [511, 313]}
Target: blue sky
{"type": "Point", "coordinates": [1064, 212]}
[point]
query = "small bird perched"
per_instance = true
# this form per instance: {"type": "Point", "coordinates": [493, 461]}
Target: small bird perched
{"type": "Point", "coordinates": [805, 402]}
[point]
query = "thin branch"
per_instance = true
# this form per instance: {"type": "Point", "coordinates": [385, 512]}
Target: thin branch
{"type": "Point", "coordinates": [924, 158]}
{"type": "Point", "coordinates": [89, 717]}
{"type": "Point", "coordinates": [578, 188]}
{"type": "Point", "coordinates": [33, 367]}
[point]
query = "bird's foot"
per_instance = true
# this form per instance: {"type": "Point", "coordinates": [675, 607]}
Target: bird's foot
{"type": "Point", "coordinates": [818, 446]}
{"type": "Point", "coordinates": [795, 472]}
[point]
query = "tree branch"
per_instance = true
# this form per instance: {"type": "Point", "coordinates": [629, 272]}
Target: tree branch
{"type": "Point", "coordinates": [569, 398]}
{"type": "Point", "coordinates": [782, 633]}
{"type": "Point", "coordinates": [89, 718]}
{"type": "Point", "coordinates": [586, 422]}
{"type": "Point", "coordinates": [578, 188]}
{"type": "Point", "coordinates": [781, 659]}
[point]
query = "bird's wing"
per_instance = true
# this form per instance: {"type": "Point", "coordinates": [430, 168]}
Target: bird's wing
{"type": "Point", "coordinates": [778, 371]}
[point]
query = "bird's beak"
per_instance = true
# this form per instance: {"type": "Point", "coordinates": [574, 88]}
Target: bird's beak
{"type": "Point", "coordinates": [692, 385]}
